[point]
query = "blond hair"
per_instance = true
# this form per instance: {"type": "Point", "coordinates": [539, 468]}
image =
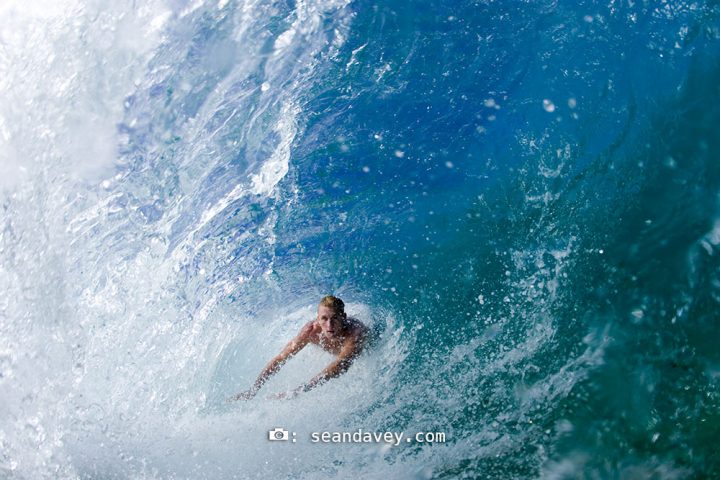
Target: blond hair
{"type": "Point", "coordinates": [333, 302]}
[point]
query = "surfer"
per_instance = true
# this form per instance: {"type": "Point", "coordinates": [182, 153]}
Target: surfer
{"type": "Point", "coordinates": [333, 331]}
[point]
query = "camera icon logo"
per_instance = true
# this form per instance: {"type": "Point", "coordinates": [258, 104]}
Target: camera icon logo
{"type": "Point", "coordinates": [278, 434]}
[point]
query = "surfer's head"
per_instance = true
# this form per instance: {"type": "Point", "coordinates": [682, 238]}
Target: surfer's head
{"type": "Point", "coordinates": [331, 315]}
{"type": "Point", "coordinates": [333, 302]}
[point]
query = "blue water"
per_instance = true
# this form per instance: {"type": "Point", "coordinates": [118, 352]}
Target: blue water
{"type": "Point", "coordinates": [521, 196]}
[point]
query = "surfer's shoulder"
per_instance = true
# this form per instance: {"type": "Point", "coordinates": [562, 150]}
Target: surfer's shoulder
{"type": "Point", "coordinates": [309, 330]}
{"type": "Point", "coordinates": [357, 325]}
{"type": "Point", "coordinates": [358, 330]}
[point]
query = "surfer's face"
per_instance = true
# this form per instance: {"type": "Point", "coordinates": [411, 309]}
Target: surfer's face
{"type": "Point", "coordinates": [330, 321]}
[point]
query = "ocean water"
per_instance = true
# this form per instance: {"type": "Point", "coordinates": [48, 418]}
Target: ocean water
{"type": "Point", "coordinates": [522, 197]}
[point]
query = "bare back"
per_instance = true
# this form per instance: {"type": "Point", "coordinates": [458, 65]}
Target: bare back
{"type": "Point", "coordinates": [356, 337]}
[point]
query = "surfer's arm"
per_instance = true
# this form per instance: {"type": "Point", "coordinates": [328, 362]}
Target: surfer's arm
{"type": "Point", "coordinates": [336, 368]}
{"type": "Point", "coordinates": [293, 346]}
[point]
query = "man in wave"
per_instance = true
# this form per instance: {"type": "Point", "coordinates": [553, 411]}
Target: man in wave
{"type": "Point", "coordinates": [333, 331]}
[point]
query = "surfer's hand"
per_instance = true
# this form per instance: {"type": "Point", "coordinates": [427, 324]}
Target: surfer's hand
{"type": "Point", "coordinates": [283, 395]}
{"type": "Point", "coordinates": [277, 396]}
{"type": "Point", "coordinates": [246, 395]}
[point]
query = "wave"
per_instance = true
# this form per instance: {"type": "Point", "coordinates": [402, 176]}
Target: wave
{"type": "Point", "coordinates": [522, 199]}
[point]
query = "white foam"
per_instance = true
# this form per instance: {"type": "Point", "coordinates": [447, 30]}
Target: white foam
{"type": "Point", "coordinates": [276, 167]}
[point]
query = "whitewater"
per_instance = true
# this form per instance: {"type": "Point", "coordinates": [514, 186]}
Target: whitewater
{"type": "Point", "coordinates": [520, 198]}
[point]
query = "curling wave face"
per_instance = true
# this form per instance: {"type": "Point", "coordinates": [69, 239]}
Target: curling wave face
{"type": "Point", "coordinates": [521, 199]}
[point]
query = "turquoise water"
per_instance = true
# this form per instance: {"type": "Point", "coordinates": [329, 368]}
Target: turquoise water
{"type": "Point", "coordinates": [521, 196]}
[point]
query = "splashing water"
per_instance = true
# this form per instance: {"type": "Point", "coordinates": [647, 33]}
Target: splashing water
{"type": "Point", "coordinates": [521, 198]}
